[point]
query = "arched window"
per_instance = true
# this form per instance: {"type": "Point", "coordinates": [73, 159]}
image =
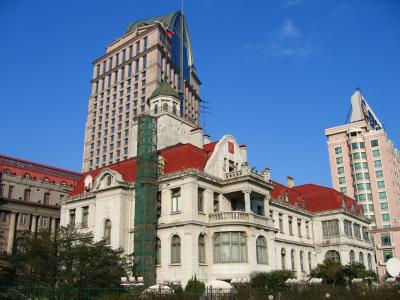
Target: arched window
{"type": "Point", "coordinates": [27, 176]}
{"type": "Point", "coordinates": [27, 195]}
{"type": "Point", "coordinates": [369, 257]}
{"type": "Point", "coordinates": [261, 250]}
{"type": "Point", "coordinates": [165, 106]}
{"type": "Point", "coordinates": [202, 249]}
{"type": "Point", "coordinates": [107, 231]}
{"type": "Point", "coordinates": [174, 108]}
{"type": "Point", "coordinates": [292, 259]}
{"type": "Point", "coordinates": [302, 260]}
{"type": "Point", "coordinates": [352, 255]}
{"type": "Point", "coordinates": [109, 180]}
{"type": "Point", "coordinates": [361, 257]}
{"type": "Point", "coordinates": [283, 258]}
{"type": "Point", "coordinates": [158, 251]}
{"type": "Point", "coordinates": [175, 250]}
{"type": "Point", "coordinates": [309, 262]}
{"type": "Point", "coordinates": [332, 254]}
{"type": "Point", "coordinates": [156, 108]}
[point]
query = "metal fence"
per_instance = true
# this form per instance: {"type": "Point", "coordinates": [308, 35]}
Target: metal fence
{"type": "Point", "coordinates": [289, 293]}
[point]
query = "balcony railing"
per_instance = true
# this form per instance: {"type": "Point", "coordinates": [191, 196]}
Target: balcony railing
{"type": "Point", "coordinates": [227, 217]}
{"type": "Point", "coordinates": [244, 172]}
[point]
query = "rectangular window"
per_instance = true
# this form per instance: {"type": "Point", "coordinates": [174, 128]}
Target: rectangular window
{"type": "Point", "coordinates": [144, 62]}
{"type": "Point", "coordinates": [357, 231]}
{"type": "Point", "coordinates": [338, 150]}
{"type": "Point", "coordinates": [362, 197]}
{"type": "Point", "coordinates": [109, 63]}
{"type": "Point", "coordinates": [72, 217]}
{"type": "Point", "coordinates": [379, 174]}
{"type": "Point", "coordinates": [85, 216]}
{"type": "Point", "coordinates": [123, 55]}
{"type": "Point", "coordinates": [280, 223]}
{"type": "Point", "coordinates": [382, 195]}
{"type": "Point", "coordinates": [339, 160]}
{"type": "Point", "coordinates": [176, 200]}
{"type": "Point", "coordinates": [299, 228]}
{"type": "Point", "coordinates": [130, 52]}
{"type": "Point", "coordinates": [386, 240]}
{"type": "Point", "coordinates": [46, 199]}
{"type": "Point", "coordinates": [145, 43]}
{"type": "Point", "coordinates": [307, 229]}
{"type": "Point", "coordinates": [342, 180]}
{"type": "Point", "coordinates": [117, 59]}
{"type": "Point", "coordinates": [137, 47]}
{"type": "Point", "coordinates": [340, 170]}
{"type": "Point", "coordinates": [374, 143]}
{"type": "Point", "coordinates": [22, 218]}
{"type": "Point", "coordinates": [376, 153]}
{"type": "Point", "coordinates": [387, 254]}
{"type": "Point", "coordinates": [385, 217]}
{"type": "Point", "coordinates": [377, 163]}
{"type": "Point", "coordinates": [381, 184]}
{"type": "Point", "coordinates": [330, 228]}
{"type": "Point", "coordinates": [136, 66]}
{"type": "Point", "coordinates": [356, 155]}
{"type": "Point", "coordinates": [343, 190]}
{"type": "Point", "coordinates": [10, 191]}
{"type": "Point", "coordinates": [230, 247]}
{"type": "Point", "coordinates": [355, 146]}
{"type": "Point", "coordinates": [200, 200]}
{"type": "Point", "coordinates": [348, 228]}
{"type": "Point", "coordinates": [384, 206]}
{"type": "Point", "coordinates": [290, 219]}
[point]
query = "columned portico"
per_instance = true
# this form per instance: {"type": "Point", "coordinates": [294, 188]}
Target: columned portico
{"type": "Point", "coordinates": [11, 232]}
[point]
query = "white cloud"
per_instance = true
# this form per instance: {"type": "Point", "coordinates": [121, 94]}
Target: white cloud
{"type": "Point", "coordinates": [289, 29]}
{"type": "Point", "coordinates": [294, 2]}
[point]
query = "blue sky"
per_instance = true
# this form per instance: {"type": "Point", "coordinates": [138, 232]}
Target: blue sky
{"type": "Point", "coordinates": [275, 73]}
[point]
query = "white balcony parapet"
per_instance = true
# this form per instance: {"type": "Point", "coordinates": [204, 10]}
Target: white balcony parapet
{"type": "Point", "coordinates": [239, 217]}
{"type": "Point", "coordinates": [243, 172]}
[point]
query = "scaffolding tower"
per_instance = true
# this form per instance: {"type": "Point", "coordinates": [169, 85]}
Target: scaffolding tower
{"type": "Point", "coordinates": [146, 190]}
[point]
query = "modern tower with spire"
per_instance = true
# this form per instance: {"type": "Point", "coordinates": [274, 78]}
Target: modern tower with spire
{"type": "Point", "coordinates": [150, 52]}
{"type": "Point", "coordinates": [365, 165]}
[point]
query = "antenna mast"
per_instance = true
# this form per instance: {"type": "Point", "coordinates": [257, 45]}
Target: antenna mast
{"type": "Point", "coordinates": [181, 84]}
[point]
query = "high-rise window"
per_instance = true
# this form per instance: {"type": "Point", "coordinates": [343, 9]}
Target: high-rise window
{"type": "Point", "coordinates": [130, 52]}
{"type": "Point", "coordinates": [137, 47]}
{"type": "Point", "coordinates": [384, 206]}
{"type": "Point", "coordinates": [144, 62]}
{"type": "Point", "coordinates": [382, 195]}
{"type": "Point", "coordinates": [117, 59]}
{"type": "Point", "coordinates": [385, 217]}
{"type": "Point", "coordinates": [338, 150]}
{"type": "Point", "coordinates": [381, 184]}
{"type": "Point", "coordinates": [339, 160]}
{"type": "Point", "coordinates": [340, 170]}
{"type": "Point", "coordinates": [374, 143]}
{"type": "Point", "coordinates": [379, 174]}
{"type": "Point", "coordinates": [387, 254]}
{"type": "Point", "coordinates": [377, 163]}
{"type": "Point", "coordinates": [376, 153]}
{"type": "Point", "coordinates": [123, 55]}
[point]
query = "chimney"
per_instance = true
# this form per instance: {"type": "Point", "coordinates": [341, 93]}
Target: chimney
{"type": "Point", "coordinates": [290, 182]}
{"type": "Point", "coordinates": [267, 174]}
{"type": "Point", "coordinates": [243, 152]}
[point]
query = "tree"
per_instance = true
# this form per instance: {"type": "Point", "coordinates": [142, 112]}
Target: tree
{"type": "Point", "coordinates": [69, 259]}
{"type": "Point", "coordinates": [357, 270]}
{"type": "Point", "coordinates": [330, 271]}
{"type": "Point", "coordinates": [273, 281]}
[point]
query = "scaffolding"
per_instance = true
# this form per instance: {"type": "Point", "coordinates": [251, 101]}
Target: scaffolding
{"type": "Point", "coordinates": [146, 190]}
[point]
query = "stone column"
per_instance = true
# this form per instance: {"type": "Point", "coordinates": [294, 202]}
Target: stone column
{"type": "Point", "coordinates": [33, 223]}
{"type": "Point", "coordinates": [53, 226]}
{"type": "Point", "coordinates": [247, 203]}
{"type": "Point", "coordinates": [266, 206]}
{"type": "Point", "coordinates": [11, 232]}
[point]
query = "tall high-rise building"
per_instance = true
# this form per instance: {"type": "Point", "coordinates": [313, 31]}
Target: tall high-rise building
{"type": "Point", "coordinates": [366, 165]}
{"type": "Point", "coordinates": [150, 52]}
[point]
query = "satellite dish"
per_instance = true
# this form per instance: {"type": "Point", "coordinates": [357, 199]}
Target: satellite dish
{"type": "Point", "coordinates": [393, 267]}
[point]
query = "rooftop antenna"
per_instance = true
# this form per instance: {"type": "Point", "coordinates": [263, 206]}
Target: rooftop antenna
{"type": "Point", "coordinates": [204, 109]}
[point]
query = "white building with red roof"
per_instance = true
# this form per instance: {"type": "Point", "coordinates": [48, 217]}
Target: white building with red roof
{"type": "Point", "coordinates": [218, 219]}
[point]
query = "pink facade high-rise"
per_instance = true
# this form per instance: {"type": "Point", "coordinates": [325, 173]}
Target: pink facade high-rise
{"type": "Point", "coordinates": [365, 165]}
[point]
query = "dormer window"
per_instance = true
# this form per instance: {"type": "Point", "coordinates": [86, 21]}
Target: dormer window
{"type": "Point", "coordinates": [109, 180]}
{"type": "Point", "coordinates": [174, 108]}
{"type": "Point", "coordinates": [287, 197]}
{"type": "Point", "coordinates": [165, 106]}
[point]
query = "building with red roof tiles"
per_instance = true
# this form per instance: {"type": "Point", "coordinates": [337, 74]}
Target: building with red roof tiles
{"type": "Point", "coordinates": [217, 218]}
{"type": "Point", "coordinates": [30, 195]}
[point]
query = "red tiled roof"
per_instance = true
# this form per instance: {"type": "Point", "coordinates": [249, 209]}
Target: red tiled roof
{"type": "Point", "coordinates": [37, 171]}
{"type": "Point", "coordinates": [177, 158]}
{"type": "Point", "coordinates": [314, 197]}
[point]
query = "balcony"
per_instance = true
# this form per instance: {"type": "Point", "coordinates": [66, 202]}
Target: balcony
{"type": "Point", "coordinates": [244, 172]}
{"type": "Point", "coordinates": [238, 218]}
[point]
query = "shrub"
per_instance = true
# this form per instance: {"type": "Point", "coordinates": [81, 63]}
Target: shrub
{"type": "Point", "coordinates": [195, 286]}
{"type": "Point", "coordinates": [273, 281]}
